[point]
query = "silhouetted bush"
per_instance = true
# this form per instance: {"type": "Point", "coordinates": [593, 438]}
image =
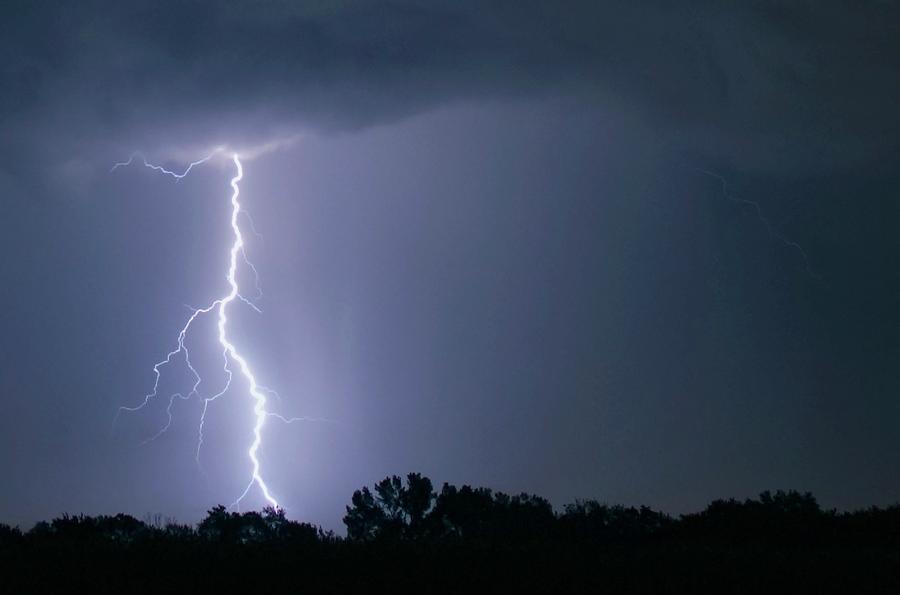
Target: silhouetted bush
{"type": "Point", "coordinates": [268, 527]}
{"type": "Point", "coordinates": [591, 521]}
{"type": "Point", "coordinates": [9, 536]}
{"type": "Point", "coordinates": [785, 517]}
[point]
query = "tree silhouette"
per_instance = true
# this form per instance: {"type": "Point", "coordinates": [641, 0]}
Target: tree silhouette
{"type": "Point", "coordinates": [268, 526]}
{"type": "Point", "coordinates": [395, 511]}
{"type": "Point", "coordinates": [416, 500]}
{"type": "Point", "coordinates": [413, 511]}
{"type": "Point", "coordinates": [462, 513]}
{"type": "Point", "coordinates": [364, 517]}
{"type": "Point", "coordinates": [589, 520]}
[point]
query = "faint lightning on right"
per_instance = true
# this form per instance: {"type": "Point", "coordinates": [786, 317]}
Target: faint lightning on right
{"type": "Point", "coordinates": [773, 233]}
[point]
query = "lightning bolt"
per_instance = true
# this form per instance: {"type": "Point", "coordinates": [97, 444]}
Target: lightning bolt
{"type": "Point", "coordinates": [755, 206]}
{"type": "Point", "coordinates": [232, 357]}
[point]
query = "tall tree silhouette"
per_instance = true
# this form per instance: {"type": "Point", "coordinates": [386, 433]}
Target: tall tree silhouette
{"type": "Point", "coordinates": [394, 511]}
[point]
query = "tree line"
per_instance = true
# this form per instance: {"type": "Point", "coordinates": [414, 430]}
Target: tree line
{"type": "Point", "coordinates": [411, 510]}
{"type": "Point", "coordinates": [467, 539]}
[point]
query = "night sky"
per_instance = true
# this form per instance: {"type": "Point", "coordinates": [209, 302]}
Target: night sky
{"type": "Point", "coordinates": [495, 248]}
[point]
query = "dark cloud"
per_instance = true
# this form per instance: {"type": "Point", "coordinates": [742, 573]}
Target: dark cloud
{"type": "Point", "coordinates": [771, 85]}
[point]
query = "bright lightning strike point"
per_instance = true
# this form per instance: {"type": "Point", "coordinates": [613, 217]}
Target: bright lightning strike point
{"type": "Point", "coordinates": [230, 352]}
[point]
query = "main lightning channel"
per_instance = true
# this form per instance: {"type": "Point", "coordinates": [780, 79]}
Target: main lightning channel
{"type": "Point", "coordinates": [259, 397]}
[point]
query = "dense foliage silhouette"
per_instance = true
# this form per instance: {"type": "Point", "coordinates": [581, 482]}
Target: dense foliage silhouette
{"type": "Point", "coordinates": [405, 536]}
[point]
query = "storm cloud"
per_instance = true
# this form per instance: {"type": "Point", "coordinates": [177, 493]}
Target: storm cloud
{"type": "Point", "coordinates": [770, 85]}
